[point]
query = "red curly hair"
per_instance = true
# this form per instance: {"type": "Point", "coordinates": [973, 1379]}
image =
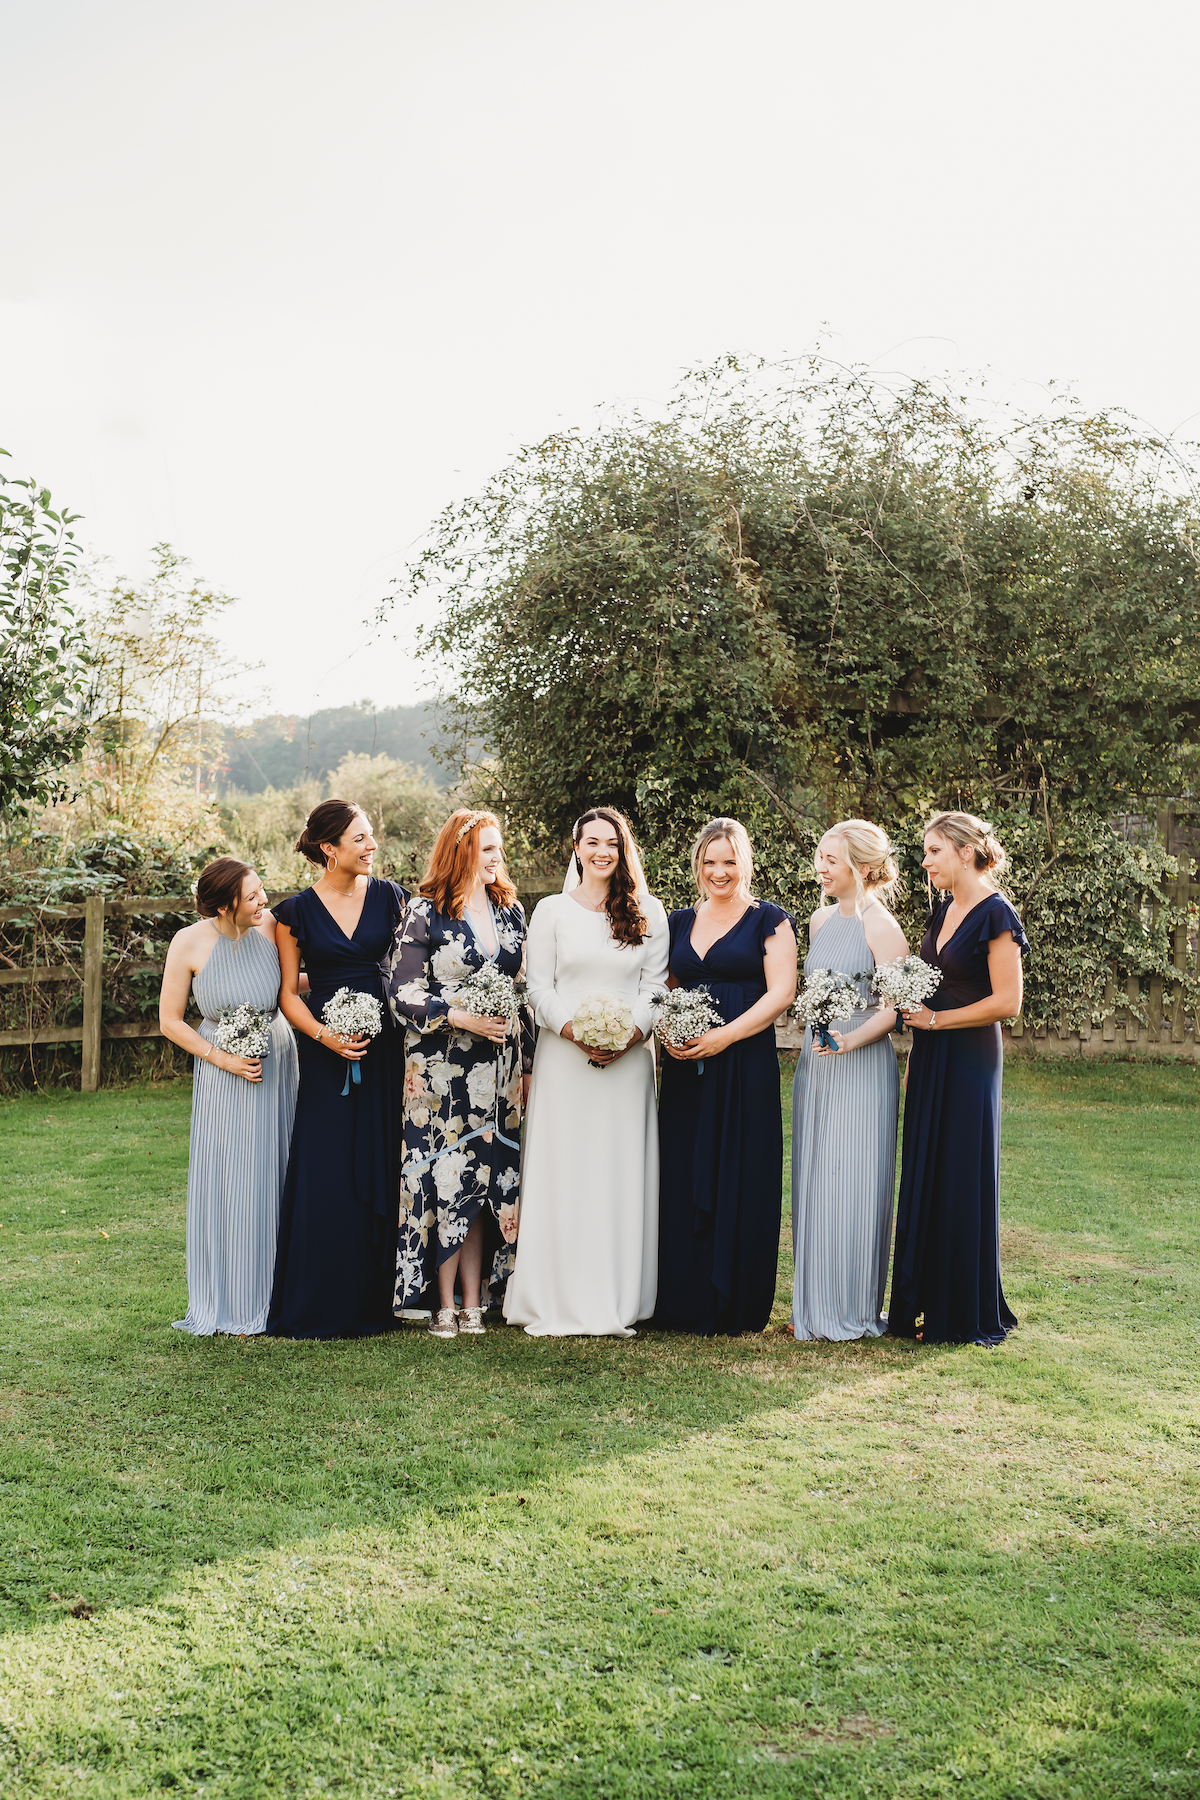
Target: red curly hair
{"type": "Point", "coordinates": [450, 875]}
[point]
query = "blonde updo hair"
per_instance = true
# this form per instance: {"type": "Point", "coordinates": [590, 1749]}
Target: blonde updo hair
{"type": "Point", "coordinates": [739, 843]}
{"type": "Point", "coordinates": [869, 854]}
{"type": "Point", "coordinates": [966, 832]}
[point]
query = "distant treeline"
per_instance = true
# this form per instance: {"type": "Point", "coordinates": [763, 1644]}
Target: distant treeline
{"type": "Point", "coordinates": [280, 751]}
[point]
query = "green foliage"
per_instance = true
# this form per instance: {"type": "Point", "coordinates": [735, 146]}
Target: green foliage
{"type": "Point", "coordinates": [403, 804]}
{"type": "Point", "coordinates": [286, 750]}
{"type": "Point", "coordinates": [799, 602]}
{"type": "Point", "coordinates": [872, 602]}
{"type": "Point", "coordinates": [52, 872]}
{"type": "Point", "coordinates": [44, 661]}
{"type": "Point", "coordinates": [162, 684]}
{"type": "Point", "coordinates": [599, 1570]}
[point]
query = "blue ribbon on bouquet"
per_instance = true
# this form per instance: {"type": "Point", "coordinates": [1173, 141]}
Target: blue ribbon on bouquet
{"type": "Point", "coordinates": [821, 1035]}
{"type": "Point", "coordinates": [352, 1074]}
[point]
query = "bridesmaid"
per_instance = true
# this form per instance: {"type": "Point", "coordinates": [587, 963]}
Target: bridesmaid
{"type": "Point", "coordinates": [947, 1264]}
{"type": "Point", "coordinates": [844, 1102]}
{"type": "Point", "coordinates": [721, 1127]}
{"type": "Point", "coordinates": [336, 1264]}
{"type": "Point", "coordinates": [242, 1107]}
{"type": "Point", "coordinates": [462, 1077]}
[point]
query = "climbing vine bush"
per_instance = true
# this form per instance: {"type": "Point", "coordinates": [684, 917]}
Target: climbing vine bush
{"type": "Point", "coordinates": [804, 594]}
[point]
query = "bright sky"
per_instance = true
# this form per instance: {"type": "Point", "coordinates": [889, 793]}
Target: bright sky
{"type": "Point", "coordinates": [279, 279]}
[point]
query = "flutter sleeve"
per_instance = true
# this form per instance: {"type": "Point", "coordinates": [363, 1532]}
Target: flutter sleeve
{"type": "Point", "coordinates": [541, 959]}
{"type": "Point", "coordinates": [398, 899]}
{"type": "Point", "coordinates": [416, 1003]}
{"type": "Point", "coordinates": [287, 912]}
{"type": "Point", "coordinates": [1001, 917]}
{"type": "Point", "coordinates": [656, 952]}
{"type": "Point", "coordinates": [768, 919]}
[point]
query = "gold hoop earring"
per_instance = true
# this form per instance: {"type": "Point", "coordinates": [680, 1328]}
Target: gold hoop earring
{"type": "Point", "coordinates": [331, 867]}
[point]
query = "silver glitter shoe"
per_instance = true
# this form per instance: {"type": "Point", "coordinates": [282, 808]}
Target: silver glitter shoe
{"type": "Point", "coordinates": [470, 1321]}
{"type": "Point", "coordinates": [443, 1324]}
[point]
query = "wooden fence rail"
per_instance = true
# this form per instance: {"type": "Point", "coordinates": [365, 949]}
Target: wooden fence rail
{"type": "Point", "coordinates": [1166, 1029]}
{"type": "Point", "coordinates": [93, 1033]}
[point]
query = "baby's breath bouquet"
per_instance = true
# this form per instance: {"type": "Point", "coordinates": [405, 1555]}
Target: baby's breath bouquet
{"type": "Point", "coordinates": [906, 983]}
{"type": "Point", "coordinates": [243, 1031]}
{"type": "Point", "coordinates": [351, 1014]}
{"type": "Point", "coordinates": [684, 1014]}
{"type": "Point", "coordinates": [489, 993]}
{"type": "Point", "coordinates": [602, 1022]}
{"type": "Point", "coordinates": [829, 994]}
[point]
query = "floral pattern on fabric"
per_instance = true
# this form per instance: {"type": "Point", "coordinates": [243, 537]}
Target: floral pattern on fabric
{"type": "Point", "coordinates": [462, 1096]}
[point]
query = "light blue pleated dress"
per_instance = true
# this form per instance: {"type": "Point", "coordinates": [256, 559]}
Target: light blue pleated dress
{"type": "Point", "coordinates": [241, 1133]}
{"type": "Point", "coordinates": [844, 1111]}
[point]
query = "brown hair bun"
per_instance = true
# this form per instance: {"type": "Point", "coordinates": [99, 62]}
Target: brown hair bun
{"type": "Point", "coordinates": [325, 825]}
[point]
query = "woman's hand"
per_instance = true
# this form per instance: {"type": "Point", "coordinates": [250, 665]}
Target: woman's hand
{"type": "Point", "coordinates": [711, 1044]}
{"type": "Point", "coordinates": [920, 1020]}
{"type": "Point", "coordinates": [602, 1058]}
{"type": "Point", "coordinates": [596, 1056]}
{"type": "Point", "coordinates": [248, 1067]}
{"type": "Point", "coordinates": [352, 1049]}
{"type": "Point", "coordinates": [495, 1029]}
{"type": "Point", "coordinates": [844, 1041]}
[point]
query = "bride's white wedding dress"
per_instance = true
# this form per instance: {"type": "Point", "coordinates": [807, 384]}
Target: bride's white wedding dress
{"type": "Point", "coordinates": [587, 1253]}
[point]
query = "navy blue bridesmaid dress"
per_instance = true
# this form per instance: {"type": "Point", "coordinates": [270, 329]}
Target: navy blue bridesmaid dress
{"type": "Point", "coordinates": [335, 1267]}
{"type": "Point", "coordinates": [947, 1260]}
{"type": "Point", "coordinates": [721, 1146]}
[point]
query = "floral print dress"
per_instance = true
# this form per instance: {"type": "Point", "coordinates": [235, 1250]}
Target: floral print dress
{"type": "Point", "coordinates": [462, 1097]}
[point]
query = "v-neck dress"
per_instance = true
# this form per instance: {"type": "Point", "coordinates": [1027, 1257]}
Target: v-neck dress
{"type": "Point", "coordinates": [947, 1261]}
{"type": "Point", "coordinates": [335, 1267]}
{"type": "Point", "coordinates": [462, 1100]}
{"type": "Point", "coordinates": [720, 1132]}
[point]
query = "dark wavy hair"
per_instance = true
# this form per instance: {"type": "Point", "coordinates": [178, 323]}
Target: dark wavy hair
{"type": "Point", "coordinates": [325, 825]}
{"type": "Point", "coordinates": [625, 918]}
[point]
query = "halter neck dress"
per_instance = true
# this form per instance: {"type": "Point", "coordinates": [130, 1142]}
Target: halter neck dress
{"type": "Point", "coordinates": [336, 1264]}
{"type": "Point", "coordinates": [844, 1112]}
{"type": "Point", "coordinates": [720, 1132]}
{"type": "Point", "coordinates": [237, 1158]}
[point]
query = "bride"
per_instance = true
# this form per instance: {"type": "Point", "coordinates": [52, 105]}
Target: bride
{"type": "Point", "coordinates": [587, 1261]}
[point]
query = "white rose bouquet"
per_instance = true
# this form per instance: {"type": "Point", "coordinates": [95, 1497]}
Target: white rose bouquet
{"type": "Point", "coordinates": [905, 984]}
{"type": "Point", "coordinates": [602, 1022]}
{"type": "Point", "coordinates": [243, 1031]}
{"type": "Point", "coordinates": [684, 1014]}
{"type": "Point", "coordinates": [351, 1014]}
{"type": "Point", "coordinates": [828, 995]}
{"type": "Point", "coordinates": [489, 993]}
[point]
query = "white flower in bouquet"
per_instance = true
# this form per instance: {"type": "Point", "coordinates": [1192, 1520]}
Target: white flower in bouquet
{"type": "Point", "coordinates": [602, 1022]}
{"type": "Point", "coordinates": [828, 994]}
{"type": "Point", "coordinates": [684, 1014]}
{"type": "Point", "coordinates": [906, 983]}
{"type": "Point", "coordinates": [351, 1014]}
{"type": "Point", "coordinates": [489, 993]}
{"type": "Point", "coordinates": [243, 1031]}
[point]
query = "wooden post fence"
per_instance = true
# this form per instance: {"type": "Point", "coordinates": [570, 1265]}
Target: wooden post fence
{"type": "Point", "coordinates": [93, 1033]}
{"type": "Point", "coordinates": [1163, 1032]}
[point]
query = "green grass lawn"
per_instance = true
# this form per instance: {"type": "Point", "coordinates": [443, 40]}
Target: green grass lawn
{"type": "Point", "coordinates": [579, 1568]}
